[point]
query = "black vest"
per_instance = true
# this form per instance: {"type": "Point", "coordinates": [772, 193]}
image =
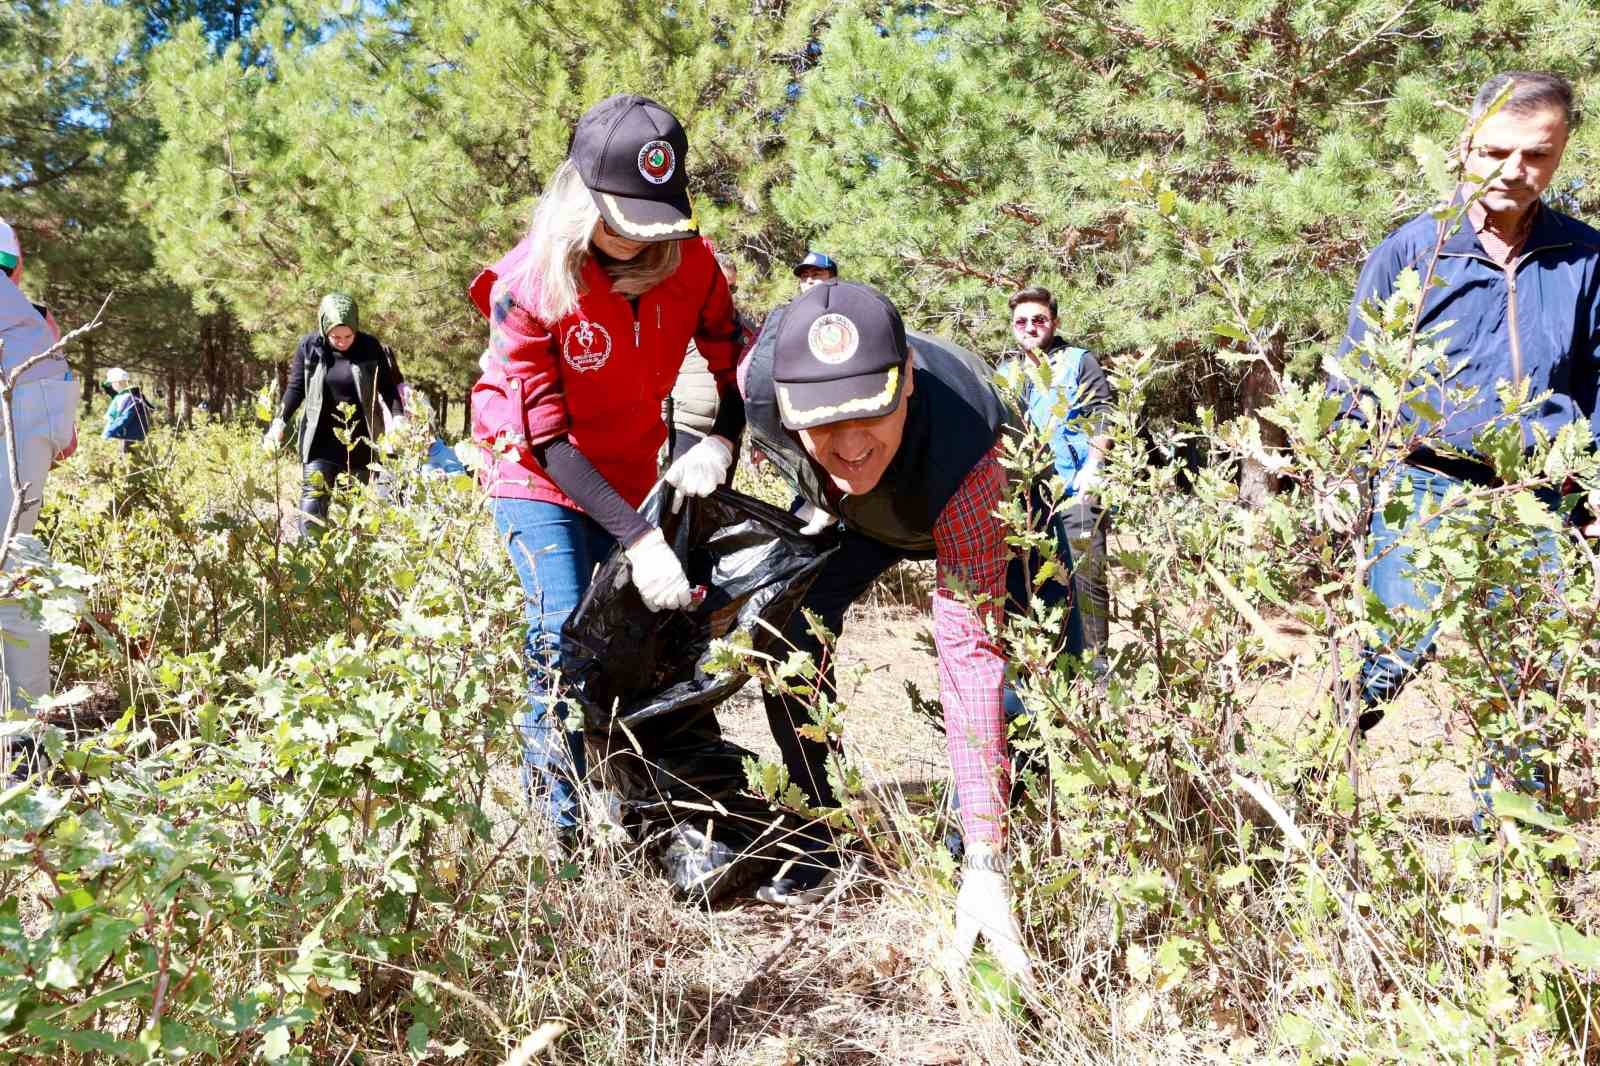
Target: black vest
{"type": "Point", "coordinates": [955, 417]}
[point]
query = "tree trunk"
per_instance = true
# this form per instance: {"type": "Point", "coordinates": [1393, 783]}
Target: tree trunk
{"type": "Point", "coordinates": [1256, 392]}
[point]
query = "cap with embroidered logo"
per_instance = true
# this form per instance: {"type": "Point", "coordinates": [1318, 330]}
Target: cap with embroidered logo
{"type": "Point", "coordinates": [629, 151]}
{"type": "Point", "coordinates": [840, 354]}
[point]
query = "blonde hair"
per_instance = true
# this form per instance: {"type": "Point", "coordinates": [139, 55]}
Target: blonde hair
{"type": "Point", "coordinates": [549, 281]}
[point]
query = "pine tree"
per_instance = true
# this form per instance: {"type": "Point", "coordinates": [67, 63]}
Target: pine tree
{"type": "Point", "coordinates": [73, 131]}
{"type": "Point", "coordinates": [955, 156]}
{"type": "Point", "coordinates": [393, 153]}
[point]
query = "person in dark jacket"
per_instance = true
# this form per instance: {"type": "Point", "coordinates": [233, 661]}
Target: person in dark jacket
{"type": "Point", "coordinates": [337, 369]}
{"type": "Point", "coordinates": [1516, 296]}
{"type": "Point", "coordinates": [898, 434]}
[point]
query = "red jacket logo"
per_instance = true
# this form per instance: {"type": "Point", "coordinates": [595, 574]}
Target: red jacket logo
{"type": "Point", "coordinates": [586, 346]}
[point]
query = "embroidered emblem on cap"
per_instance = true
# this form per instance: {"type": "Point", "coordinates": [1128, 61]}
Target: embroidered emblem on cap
{"type": "Point", "coordinates": [586, 346]}
{"type": "Point", "coordinates": [657, 162]}
{"type": "Point", "coordinates": [833, 338]}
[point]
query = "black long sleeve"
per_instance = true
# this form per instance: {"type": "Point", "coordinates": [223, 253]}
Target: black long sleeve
{"type": "Point", "coordinates": [577, 477]}
{"type": "Point", "coordinates": [730, 418]}
{"type": "Point", "coordinates": [390, 379]}
{"type": "Point", "coordinates": [294, 393]}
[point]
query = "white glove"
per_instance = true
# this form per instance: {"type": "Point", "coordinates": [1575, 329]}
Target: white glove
{"type": "Point", "coordinates": [1592, 530]}
{"type": "Point", "coordinates": [814, 520]}
{"type": "Point", "coordinates": [701, 470]}
{"type": "Point", "coordinates": [272, 439]}
{"type": "Point", "coordinates": [658, 575]}
{"type": "Point", "coordinates": [984, 906]}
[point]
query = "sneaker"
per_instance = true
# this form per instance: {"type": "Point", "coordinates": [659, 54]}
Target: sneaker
{"type": "Point", "coordinates": [797, 883]}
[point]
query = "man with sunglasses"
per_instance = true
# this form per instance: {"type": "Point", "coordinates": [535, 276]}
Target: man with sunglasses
{"type": "Point", "coordinates": [1068, 405]}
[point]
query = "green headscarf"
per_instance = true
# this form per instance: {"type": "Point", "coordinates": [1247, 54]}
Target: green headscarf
{"type": "Point", "coordinates": [337, 309]}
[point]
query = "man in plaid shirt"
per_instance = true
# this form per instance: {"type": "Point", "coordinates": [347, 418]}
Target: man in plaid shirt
{"type": "Point", "coordinates": [897, 436]}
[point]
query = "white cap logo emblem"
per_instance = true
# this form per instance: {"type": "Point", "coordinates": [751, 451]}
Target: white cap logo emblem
{"type": "Point", "coordinates": [833, 338]}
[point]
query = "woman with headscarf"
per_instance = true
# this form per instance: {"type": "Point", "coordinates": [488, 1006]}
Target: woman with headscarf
{"type": "Point", "coordinates": [590, 316]}
{"type": "Point", "coordinates": [337, 369]}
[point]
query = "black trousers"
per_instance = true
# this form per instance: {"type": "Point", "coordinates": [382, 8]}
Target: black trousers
{"type": "Point", "coordinates": [316, 493]}
{"type": "Point", "coordinates": [845, 578]}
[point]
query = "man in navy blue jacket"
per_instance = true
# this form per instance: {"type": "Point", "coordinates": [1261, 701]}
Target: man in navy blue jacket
{"type": "Point", "coordinates": [1517, 291]}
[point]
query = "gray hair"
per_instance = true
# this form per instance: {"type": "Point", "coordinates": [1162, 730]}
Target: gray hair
{"type": "Point", "coordinates": [1532, 91]}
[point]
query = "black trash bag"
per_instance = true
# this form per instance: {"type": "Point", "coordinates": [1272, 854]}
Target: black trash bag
{"type": "Point", "coordinates": [682, 796]}
{"type": "Point", "coordinates": [649, 703]}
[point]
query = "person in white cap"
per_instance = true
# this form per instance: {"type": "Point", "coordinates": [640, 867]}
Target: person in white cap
{"type": "Point", "coordinates": [128, 415]}
{"type": "Point", "coordinates": [42, 414]}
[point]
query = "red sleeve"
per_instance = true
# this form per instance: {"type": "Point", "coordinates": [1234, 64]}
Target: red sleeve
{"type": "Point", "coordinates": [972, 558]}
{"type": "Point", "coordinates": [719, 334]}
{"type": "Point", "coordinates": [519, 398]}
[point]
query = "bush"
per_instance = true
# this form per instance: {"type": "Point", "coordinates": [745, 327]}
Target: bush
{"type": "Point", "coordinates": [290, 831]}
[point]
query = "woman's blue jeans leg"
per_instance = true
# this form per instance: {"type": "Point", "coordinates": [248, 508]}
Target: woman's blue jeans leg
{"type": "Point", "coordinates": [555, 550]}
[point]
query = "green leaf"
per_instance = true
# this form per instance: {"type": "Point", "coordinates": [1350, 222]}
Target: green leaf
{"type": "Point", "coordinates": [1548, 938]}
{"type": "Point", "coordinates": [60, 973]}
{"type": "Point", "coordinates": [1531, 511]}
{"type": "Point", "coordinates": [1437, 166]}
{"type": "Point", "coordinates": [1147, 887]}
{"type": "Point", "coordinates": [417, 1038]}
{"type": "Point", "coordinates": [88, 1041]}
{"type": "Point", "coordinates": [1233, 876]}
{"type": "Point", "coordinates": [355, 753]}
{"type": "Point", "coordinates": [1524, 808]}
{"type": "Point", "coordinates": [275, 1042]}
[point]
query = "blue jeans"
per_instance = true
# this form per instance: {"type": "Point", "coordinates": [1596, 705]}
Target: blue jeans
{"type": "Point", "coordinates": [555, 550]}
{"type": "Point", "coordinates": [1386, 669]}
{"type": "Point", "coordinates": [1394, 581]}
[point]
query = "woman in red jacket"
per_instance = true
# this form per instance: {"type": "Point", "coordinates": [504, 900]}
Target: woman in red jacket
{"type": "Point", "coordinates": [590, 316]}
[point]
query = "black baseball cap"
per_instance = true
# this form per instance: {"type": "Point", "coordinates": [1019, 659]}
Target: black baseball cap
{"type": "Point", "coordinates": [629, 151]}
{"type": "Point", "coordinates": [839, 354]}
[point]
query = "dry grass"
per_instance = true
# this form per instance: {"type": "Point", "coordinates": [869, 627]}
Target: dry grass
{"type": "Point", "coordinates": [862, 985]}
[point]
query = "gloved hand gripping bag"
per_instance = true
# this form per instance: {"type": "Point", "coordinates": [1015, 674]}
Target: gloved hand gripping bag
{"type": "Point", "coordinates": [639, 667]}
{"type": "Point", "coordinates": [680, 782]}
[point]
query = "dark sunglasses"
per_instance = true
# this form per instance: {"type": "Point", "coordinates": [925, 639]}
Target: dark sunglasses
{"type": "Point", "coordinates": [1036, 320]}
